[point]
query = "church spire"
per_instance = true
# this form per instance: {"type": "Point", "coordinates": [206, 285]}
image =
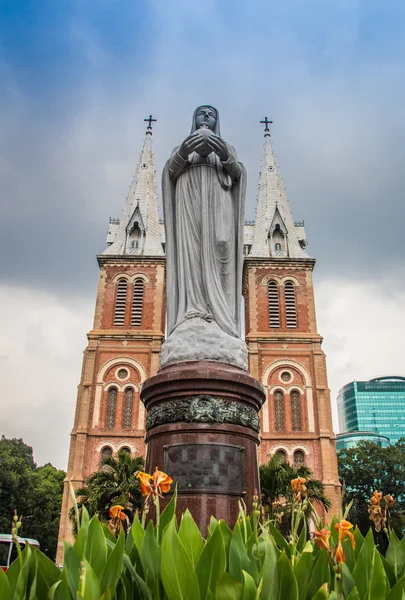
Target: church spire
{"type": "Point", "coordinates": [275, 235]}
{"type": "Point", "coordinates": [138, 232]}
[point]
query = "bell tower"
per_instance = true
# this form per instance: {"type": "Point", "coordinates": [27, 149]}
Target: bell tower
{"type": "Point", "coordinates": [285, 352]}
{"type": "Point", "coordinates": [124, 344]}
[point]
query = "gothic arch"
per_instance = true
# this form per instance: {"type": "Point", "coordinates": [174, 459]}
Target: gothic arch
{"type": "Point", "coordinates": [308, 390]}
{"type": "Point", "coordinates": [100, 384]}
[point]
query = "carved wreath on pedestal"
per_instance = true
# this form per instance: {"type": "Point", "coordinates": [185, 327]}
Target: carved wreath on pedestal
{"type": "Point", "coordinates": [203, 409]}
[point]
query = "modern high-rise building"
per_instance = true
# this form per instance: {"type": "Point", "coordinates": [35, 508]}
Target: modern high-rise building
{"type": "Point", "coordinates": [376, 406]}
{"type": "Point", "coordinates": [283, 342]}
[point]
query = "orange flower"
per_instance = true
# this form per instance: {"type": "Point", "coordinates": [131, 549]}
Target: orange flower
{"type": "Point", "coordinates": [116, 512]}
{"type": "Point", "coordinates": [376, 497]}
{"type": "Point", "coordinates": [389, 500]}
{"type": "Point", "coordinates": [297, 485]}
{"type": "Point", "coordinates": [343, 528]}
{"type": "Point", "coordinates": [161, 481]}
{"type": "Point", "coordinates": [339, 554]}
{"type": "Point", "coordinates": [144, 482]}
{"type": "Point", "coordinates": [322, 538]}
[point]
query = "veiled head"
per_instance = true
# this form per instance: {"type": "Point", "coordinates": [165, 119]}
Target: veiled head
{"type": "Point", "coordinates": [206, 115]}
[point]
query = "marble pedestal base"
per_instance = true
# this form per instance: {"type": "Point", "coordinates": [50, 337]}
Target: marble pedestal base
{"type": "Point", "coordinates": [203, 430]}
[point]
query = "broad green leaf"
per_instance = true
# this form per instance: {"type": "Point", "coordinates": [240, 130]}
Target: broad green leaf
{"type": "Point", "coordinates": [302, 540]}
{"type": "Point", "coordinates": [303, 572]}
{"type": "Point", "coordinates": [287, 584]}
{"type": "Point", "coordinates": [71, 567]}
{"type": "Point", "coordinates": [151, 559]}
{"type": "Point", "coordinates": [190, 537]}
{"type": "Point", "coordinates": [81, 540]}
{"type": "Point", "coordinates": [354, 594]}
{"type": "Point", "coordinates": [142, 588]}
{"type": "Point", "coordinates": [389, 571]}
{"type": "Point", "coordinates": [211, 526]}
{"type": "Point", "coordinates": [167, 515]}
{"type": "Point", "coordinates": [228, 588]}
{"type": "Point", "coordinates": [249, 587]}
{"type": "Point", "coordinates": [320, 574]}
{"type": "Point", "coordinates": [227, 535]}
{"type": "Point", "coordinates": [359, 539]}
{"type": "Point", "coordinates": [369, 573]}
{"type": "Point", "coordinates": [89, 588]}
{"type": "Point", "coordinates": [268, 571]}
{"type": "Point", "coordinates": [61, 590]}
{"type": "Point", "coordinates": [113, 567]}
{"type": "Point", "coordinates": [138, 533]}
{"type": "Point", "coordinates": [378, 584]}
{"type": "Point", "coordinates": [5, 590]}
{"type": "Point", "coordinates": [47, 574]}
{"type": "Point", "coordinates": [96, 547]}
{"type": "Point", "coordinates": [350, 559]}
{"type": "Point", "coordinates": [398, 590]}
{"type": "Point", "coordinates": [212, 563]}
{"type": "Point", "coordinates": [396, 555]}
{"type": "Point", "coordinates": [178, 575]}
{"type": "Point", "coordinates": [238, 556]}
{"type": "Point", "coordinates": [321, 594]}
{"type": "Point", "coordinates": [347, 580]}
{"type": "Point", "coordinates": [280, 540]}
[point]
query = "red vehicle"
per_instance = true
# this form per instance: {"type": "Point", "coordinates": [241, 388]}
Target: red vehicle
{"type": "Point", "coordinates": [8, 551]}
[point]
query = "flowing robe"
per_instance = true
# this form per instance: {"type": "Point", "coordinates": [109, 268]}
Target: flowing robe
{"type": "Point", "coordinates": [203, 200]}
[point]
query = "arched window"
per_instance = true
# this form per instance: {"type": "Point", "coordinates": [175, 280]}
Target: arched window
{"type": "Point", "coordinates": [299, 459]}
{"type": "Point", "coordinates": [277, 246]}
{"type": "Point", "coordinates": [128, 407]}
{"type": "Point", "coordinates": [296, 410]}
{"type": "Point", "coordinates": [279, 410]}
{"type": "Point", "coordinates": [137, 302]}
{"type": "Point", "coordinates": [106, 452]}
{"type": "Point", "coordinates": [281, 455]}
{"type": "Point", "coordinates": [290, 305]}
{"type": "Point", "coordinates": [274, 305]}
{"type": "Point", "coordinates": [120, 302]}
{"type": "Point", "coordinates": [111, 407]}
{"type": "Point", "coordinates": [125, 449]}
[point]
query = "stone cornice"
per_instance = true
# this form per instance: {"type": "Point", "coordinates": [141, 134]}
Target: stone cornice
{"type": "Point", "coordinates": [112, 334]}
{"type": "Point", "coordinates": [279, 263]}
{"type": "Point", "coordinates": [126, 259]}
{"type": "Point", "coordinates": [284, 336]}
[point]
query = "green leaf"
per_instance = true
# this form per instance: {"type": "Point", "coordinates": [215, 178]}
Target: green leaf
{"type": "Point", "coordinates": [89, 583]}
{"type": "Point", "coordinates": [347, 580]}
{"type": "Point", "coordinates": [227, 535]}
{"type": "Point", "coordinates": [321, 594]}
{"type": "Point", "coordinates": [320, 574]}
{"type": "Point", "coordinates": [47, 574]}
{"type": "Point", "coordinates": [60, 591]}
{"type": "Point", "coordinates": [5, 589]}
{"type": "Point", "coordinates": [287, 584]}
{"type": "Point", "coordinates": [71, 567]}
{"type": "Point", "coordinates": [113, 567]}
{"type": "Point", "coordinates": [96, 547]}
{"type": "Point", "coordinates": [249, 587]}
{"type": "Point", "coordinates": [151, 558]}
{"type": "Point", "coordinates": [81, 540]}
{"type": "Point", "coordinates": [303, 572]}
{"type": "Point", "coordinates": [167, 515]}
{"type": "Point", "coordinates": [138, 533]}
{"type": "Point", "coordinates": [211, 526]}
{"type": "Point", "coordinates": [354, 594]}
{"type": "Point", "coordinates": [280, 540]}
{"type": "Point", "coordinates": [190, 537]}
{"type": "Point", "coordinates": [228, 588]}
{"type": "Point", "coordinates": [212, 562]}
{"type": "Point", "coordinates": [369, 573]}
{"type": "Point", "coordinates": [389, 572]}
{"type": "Point", "coordinates": [238, 556]}
{"type": "Point", "coordinates": [398, 590]}
{"type": "Point", "coordinates": [396, 555]}
{"type": "Point", "coordinates": [142, 588]}
{"type": "Point", "coordinates": [302, 540]}
{"type": "Point", "coordinates": [178, 576]}
{"type": "Point", "coordinates": [268, 572]}
{"type": "Point", "coordinates": [359, 539]}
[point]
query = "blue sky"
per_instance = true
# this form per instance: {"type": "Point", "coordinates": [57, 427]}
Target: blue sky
{"type": "Point", "coordinates": [77, 79]}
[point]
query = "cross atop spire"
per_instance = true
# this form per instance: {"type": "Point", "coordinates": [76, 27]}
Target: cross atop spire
{"type": "Point", "coordinates": [266, 123]}
{"type": "Point", "coordinates": [150, 120]}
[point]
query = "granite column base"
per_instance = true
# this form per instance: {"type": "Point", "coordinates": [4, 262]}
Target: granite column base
{"type": "Point", "coordinates": [203, 430]}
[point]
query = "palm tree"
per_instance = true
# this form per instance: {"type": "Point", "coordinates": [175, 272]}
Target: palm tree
{"type": "Point", "coordinates": [275, 482]}
{"type": "Point", "coordinates": [114, 483]}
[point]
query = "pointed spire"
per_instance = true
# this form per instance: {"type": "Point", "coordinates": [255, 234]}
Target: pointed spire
{"type": "Point", "coordinates": [276, 235]}
{"type": "Point", "coordinates": [138, 232]}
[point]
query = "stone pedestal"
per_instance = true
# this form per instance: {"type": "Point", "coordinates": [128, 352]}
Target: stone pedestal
{"type": "Point", "coordinates": [203, 430]}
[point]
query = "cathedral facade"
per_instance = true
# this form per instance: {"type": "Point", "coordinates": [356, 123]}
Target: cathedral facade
{"type": "Point", "coordinates": [124, 344]}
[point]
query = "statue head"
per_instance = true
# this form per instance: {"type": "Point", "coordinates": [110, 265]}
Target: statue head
{"type": "Point", "coordinates": [208, 116]}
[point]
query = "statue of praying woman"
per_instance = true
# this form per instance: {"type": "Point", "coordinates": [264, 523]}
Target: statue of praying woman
{"type": "Point", "coordinates": [203, 198]}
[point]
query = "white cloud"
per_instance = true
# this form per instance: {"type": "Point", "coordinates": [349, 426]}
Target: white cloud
{"type": "Point", "coordinates": [41, 348]}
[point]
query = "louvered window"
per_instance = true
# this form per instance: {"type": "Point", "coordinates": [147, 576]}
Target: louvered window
{"type": "Point", "coordinates": [137, 303]}
{"type": "Point", "coordinates": [111, 407]}
{"type": "Point", "coordinates": [120, 302]}
{"type": "Point", "coordinates": [296, 410]}
{"type": "Point", "coordinates": [128, 407]}
{"type": "Point", "coordinates": [274, 305]}
{"type": "Point", "coordinates": [299, 459]}
{"type": "Point", "coordinates": [290, 305]}
{"type": "Point", "coordinates": [279, 410]}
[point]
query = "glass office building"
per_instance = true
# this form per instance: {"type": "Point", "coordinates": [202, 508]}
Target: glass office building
{"type": "Point", "coordinates": [376, 406]}
{"type": "Point", "coordinates": [344, 441]}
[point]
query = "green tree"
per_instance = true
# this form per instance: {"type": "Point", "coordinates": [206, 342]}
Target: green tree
{"type": "Point", "coordinates": [35, 492]}
{"type": "Point", "coordinates": [114, 483]}
{"type": "Point", "coordinates": [275, 483]}
{"type": "Point", "coordinates": [368, 467]}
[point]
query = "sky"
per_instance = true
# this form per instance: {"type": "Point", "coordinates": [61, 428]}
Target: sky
{"type": "Point", "coordinates": [78, 77]}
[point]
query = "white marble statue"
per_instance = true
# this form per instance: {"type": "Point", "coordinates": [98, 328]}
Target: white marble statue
{"type": "Point", "coordinates": [203, 198]}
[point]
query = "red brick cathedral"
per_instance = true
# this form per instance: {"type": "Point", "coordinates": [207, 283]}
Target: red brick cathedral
{"type": "Point", "coordinates": [123, 348]}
